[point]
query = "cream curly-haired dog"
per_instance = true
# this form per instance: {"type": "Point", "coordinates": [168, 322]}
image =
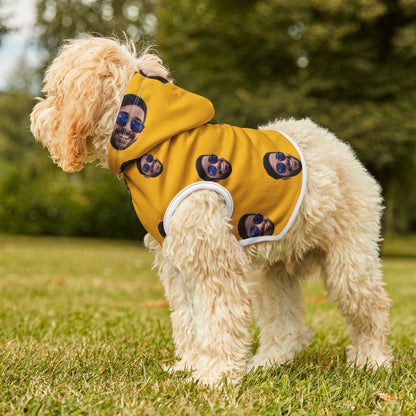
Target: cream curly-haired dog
{"type": "Point", "coordinates": [212, 281]}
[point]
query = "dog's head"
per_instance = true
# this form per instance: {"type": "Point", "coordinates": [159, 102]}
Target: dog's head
{"type": "Point", "coordinates": [83, 89]}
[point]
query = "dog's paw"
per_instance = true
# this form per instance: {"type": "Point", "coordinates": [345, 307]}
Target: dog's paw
{"type": "Point", "coordinates": [282, 351]}
{"type": "Point", "coordinates": [181, 365]}
{"type": "Point", "coordinates": [269, 361]}
{"type": "Point", "coordinates": [215, 379]}
{"type": "Point", "coordinates": [369, 357]}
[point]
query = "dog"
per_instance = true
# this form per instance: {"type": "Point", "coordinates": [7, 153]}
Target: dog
{"type": "Point", "coordinates": [212, 279]}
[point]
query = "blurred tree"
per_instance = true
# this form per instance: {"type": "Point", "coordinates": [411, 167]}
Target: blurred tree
{"type": "Point", "coordinates": [4, 27]}
{"type": "Point", "coordinates": [60, 19]}
{"type": "Point", "coordinates": [350, 66]}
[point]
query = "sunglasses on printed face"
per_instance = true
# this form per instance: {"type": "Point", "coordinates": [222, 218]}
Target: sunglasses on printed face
{"type": "Point", "coordinates": [146, 166]}
{"type": "Point", "coordinates": [212, 170]}
{"type": "Point", "coordinates": [135, 125]}
{"type": "Point", "coordinates": [281, 168]}
{"type": "Point", "coordinates": [255, 231]}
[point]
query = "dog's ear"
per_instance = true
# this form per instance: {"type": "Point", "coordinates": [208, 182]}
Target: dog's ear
{"type": "Point", "coordinates": [59, 130]}
{"type": "Point", "coordinates": [68, 116]}
{"type": "Point", "coordinates": [83, 88]}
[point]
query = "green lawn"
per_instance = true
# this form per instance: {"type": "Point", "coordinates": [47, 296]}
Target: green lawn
{"type": "Point", "coordinates": [84, 330]}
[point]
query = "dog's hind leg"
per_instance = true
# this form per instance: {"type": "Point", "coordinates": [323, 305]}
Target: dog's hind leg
{"type": "Point", "coordinates": [278, 306]}
{"type": "Point", "coordinates": [352, 277]}
{"type": "Point", "coordinates": [212, 269]}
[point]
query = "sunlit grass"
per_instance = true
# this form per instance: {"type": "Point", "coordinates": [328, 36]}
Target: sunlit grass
{"type": "Point", "coordinates": [84, 330]}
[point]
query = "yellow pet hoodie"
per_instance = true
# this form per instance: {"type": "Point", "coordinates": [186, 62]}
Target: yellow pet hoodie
{"type": "Point", "coordinates": [165, 147]}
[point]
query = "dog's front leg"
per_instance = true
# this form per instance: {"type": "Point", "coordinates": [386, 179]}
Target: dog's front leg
{"type": "Point", "coordinates": [213, 313]}
{"type": "Point", "coordinates": [180, 296]}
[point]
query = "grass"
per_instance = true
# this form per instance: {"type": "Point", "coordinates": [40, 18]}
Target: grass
{"type": "Point", "coordinates": [84, 330]}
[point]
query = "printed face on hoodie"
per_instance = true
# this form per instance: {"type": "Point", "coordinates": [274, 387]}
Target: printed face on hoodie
{"type": "Point", "coordinates": [255, 225]}
{"type": "Point", "coordinates": [281, 165]}
{"type": "Point", "coordinates": [213, 167]}
{"type": "Point", "coordinates": [149, 166]}
{"type": "Point", "coordinates": [129, 125]}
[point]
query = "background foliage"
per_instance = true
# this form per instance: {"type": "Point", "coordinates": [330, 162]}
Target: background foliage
{"type": "Point", "coordinates": [350, 66]}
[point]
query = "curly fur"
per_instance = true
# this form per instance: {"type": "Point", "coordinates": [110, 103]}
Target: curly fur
{"type": "Point", "coordinates": [210, 281]}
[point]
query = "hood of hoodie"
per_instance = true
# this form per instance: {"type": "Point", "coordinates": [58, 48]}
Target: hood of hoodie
{"type": "Point", "coordinates": [167, 114]}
